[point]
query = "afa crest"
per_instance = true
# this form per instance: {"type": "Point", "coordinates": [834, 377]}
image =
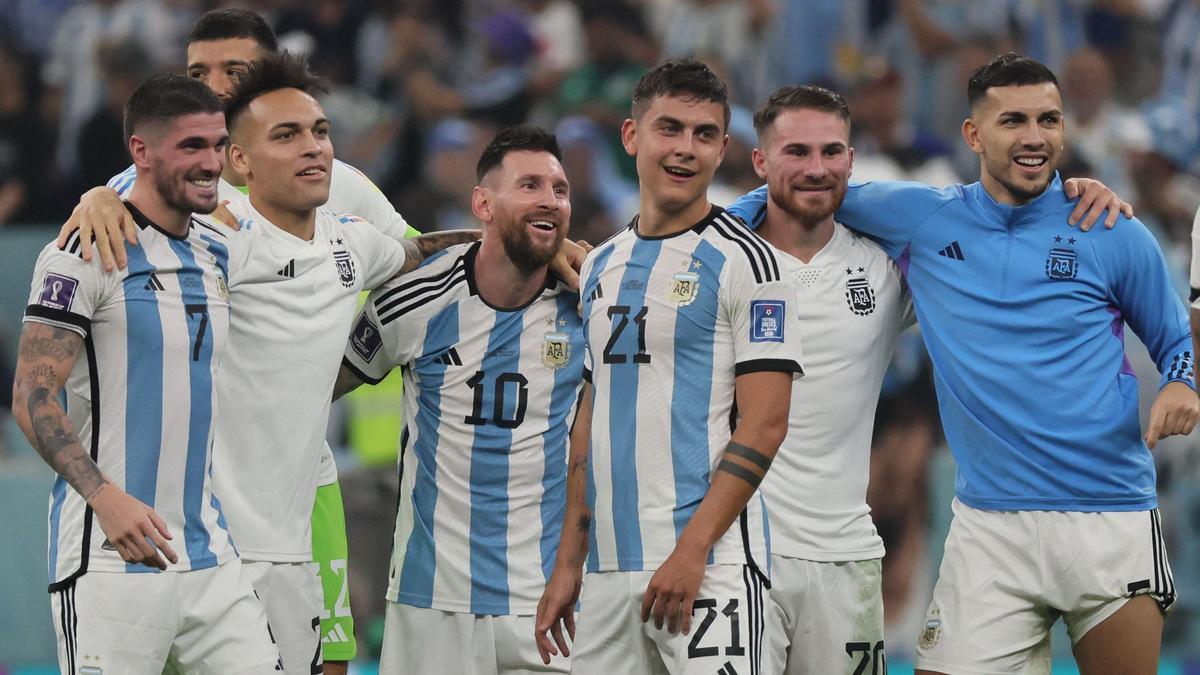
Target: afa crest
{"type": "Point", "coordinates": [556, 350]}
{"type": "Point", "coordinates": [1062, 264]}
{"type": "Point", "coordinates": [860, 296]}
{"type": "Point", "coordinates": [684, 287]}
{"type": "Point", "coordinates": [345, 267]}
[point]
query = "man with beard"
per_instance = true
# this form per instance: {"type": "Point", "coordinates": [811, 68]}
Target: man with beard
{"type": "Point", "coordinates": [492, 350]}
{"type": "Point", "coordinates": [1023, 322]}
{"type": "Point", "coordinates": [129, 426]}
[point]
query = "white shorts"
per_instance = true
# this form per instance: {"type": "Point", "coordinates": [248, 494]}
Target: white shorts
{"type": "Point", "coordinates": [292, 596]}
{"type": "Point", "coordinates": [1007, 576]}
{"type": "Point", "coordinates": [826, 618]}
{"type": "Point", "coordinates": [725, 638]}
{"type": "Point", "coordinates": [203, 621]}
{"type": "Point", "coordinates": [420, 640]}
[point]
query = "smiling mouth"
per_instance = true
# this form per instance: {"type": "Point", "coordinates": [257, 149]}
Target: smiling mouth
{"type": "Point", "coordinates": [679, 172]}
{"type": "Point", "coordinates": [313, 171]}
{"type": "Point", "coordinates": [204, 183]}
{"type": "Point", "coordinates": [1030, 162]}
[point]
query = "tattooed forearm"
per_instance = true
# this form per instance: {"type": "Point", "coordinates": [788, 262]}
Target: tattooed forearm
{"type": "Point", "coordinates": [420, 248]}
{"type": "Point", "coordinates": [762, 461]}
{"type": "Point", "coordinates": [577, 465]}
{"type": "Point", "coordinates": [740, 471]}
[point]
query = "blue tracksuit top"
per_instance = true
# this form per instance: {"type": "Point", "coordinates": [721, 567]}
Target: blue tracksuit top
{"type": "Point", "coordinates": [1023, 318]}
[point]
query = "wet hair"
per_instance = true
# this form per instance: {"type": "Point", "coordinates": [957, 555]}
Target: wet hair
{"type": "Point", "coordinates": [225, 24]}
{"type": "Point", "coordinates": [804, 97]}
{"type": "Point", "coordinates": [519, 138]}
{"type": "Point", "coordinates": [1007, 70]}
{"type": "Point", "coordinates": [681, 78]}
{"type": "Point", "coordinates": [283, 70]}
{"type": "Point", "coordinates": [163, 98]}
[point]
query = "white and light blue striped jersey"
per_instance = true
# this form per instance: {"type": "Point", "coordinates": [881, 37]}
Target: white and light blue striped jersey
{"type": "Point", "coordinates": [141, 394]}
{"type": "Point", "coordinates": [670, 323]}
{"type": "Point", "coordinates": [489, 394]}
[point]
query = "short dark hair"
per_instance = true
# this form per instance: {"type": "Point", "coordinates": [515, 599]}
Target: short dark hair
{"type": "Point", "coordinates": [273, 72]}
{"type": "Point", "coordinates": [1007, 70]}
{"type": "Point", "coordinates": [225, 24]}
{"type": "Point", "coordinates": [522, 137]}
{"type": "Point", "coordinates": [163, 98]}
{"type": "Point", "coordinates": [683, 78]}
{"type": "Point", "coordinates": [803, 97]}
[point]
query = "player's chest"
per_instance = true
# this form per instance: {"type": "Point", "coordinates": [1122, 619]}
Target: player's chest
{"type": "Point", "coordinates": [845, 307]}
{"type": "Point", "coordinates": [173, 309]}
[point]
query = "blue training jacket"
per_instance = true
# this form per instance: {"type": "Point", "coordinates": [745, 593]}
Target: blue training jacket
{"type": "Point", "coordinates": [1023, 317]}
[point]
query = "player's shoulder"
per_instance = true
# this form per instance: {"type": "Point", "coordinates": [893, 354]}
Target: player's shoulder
{"type": "Point", "coordinates": [348, 187]}
{"type": "Point", "coordinates": [206, 227]}
{"type": "Point", "coordinates": [123, 182]}
{"type": "Point", "coordinates": [861, 245]}
{"type": "Point", "coordinates": [742, 248]}
{"type": "Point", "coordinates": [439, 280]}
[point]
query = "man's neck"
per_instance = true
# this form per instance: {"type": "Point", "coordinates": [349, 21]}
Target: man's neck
{"type": "Point", "coordinates": [300, 224]}
{"type": "Point", "coordinates": [500, 282]}
{"type": "Point", "coordinates": [790, 234]}
{"type": "Point", "coordinates": [654, 221]}
{"type": "Point", "coordinates": [153, 206]}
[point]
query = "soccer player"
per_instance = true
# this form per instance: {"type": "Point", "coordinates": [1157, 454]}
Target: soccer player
{"type": "Point", "coordinates": [129, 426]}
{"type": "Point", "coordinates": [492, 346]}
{"type": "Point", "coordinates": [685, 313]}
{"type": "Point", "coordinates": [1023, 321]}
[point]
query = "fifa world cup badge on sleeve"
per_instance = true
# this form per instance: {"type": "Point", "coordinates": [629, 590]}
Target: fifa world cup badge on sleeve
{"type": "Point", "coordinates": [556, 350]}
{"type": "Point", "coordinates": [365, 339]}
{"type": "Point", "coordinates": [766, 320]}
{"type": "Point", "coordinates": [58, 291]}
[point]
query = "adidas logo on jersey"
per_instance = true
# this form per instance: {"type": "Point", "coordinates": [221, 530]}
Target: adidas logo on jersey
{"type": "Point", "coordinates": [335, 635]}
{"type": "Point", "coordinates": [154, 284]}
{"type": "Point", "coordinates": [953, 251]}
{"type": "Point", "coordinates": [450, 358]}
{"type": "Point", "coordinates": [289, 270]}
{"type": "Point", "coordinates": [597, 293]}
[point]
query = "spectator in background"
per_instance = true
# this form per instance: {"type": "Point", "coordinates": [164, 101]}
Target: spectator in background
{"type": "Point", "coordinates": [101, 150]}
{"type": "Point", "coordinates": [727, 29]}
{"type": "Point", "coordinates": [602, 200]}
{"type": "Point", "coordinates": [557, 28]}
{"type": "Point", "coordinates": [441, 201]}
{"type": "Point", "coordinates": [25, 180]}
{"type": "Point", "coordinates": [332, 27]}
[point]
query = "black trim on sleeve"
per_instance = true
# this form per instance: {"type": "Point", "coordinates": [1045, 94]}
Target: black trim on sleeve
{"type": "Point", "coordinates": [767, 365]}
{"type": "Point", "coordinates": [60, 316]}
{"type": "Point", "coordinates": [587, 375]}
{"type": "Point", "coordinates": [1194, 294]}
{"type": "Point", "coordinates": [367, 379]}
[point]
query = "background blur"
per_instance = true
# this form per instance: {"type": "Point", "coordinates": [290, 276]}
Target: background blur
{"type": "Point", "coordinates": [420, 86]}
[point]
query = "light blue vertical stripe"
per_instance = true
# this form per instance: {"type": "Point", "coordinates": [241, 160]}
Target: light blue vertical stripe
{"type": "Point", "coordinates": [420, 563]}
{"type": "Point", "coordinates": [58, 494]}
{"type": "Point", "coordinates": [144, 383]}
{"type": "Point", "coordinates": [490, 467]}
{"type": "Point", "coordinates": [191, 283]}
{"type": "Point", "coordinates": [623, 402]}
{"type": "Point", "coordinates": [589, 287]}
{"type": "Point", "coordinates": [691, 400]}
{"type": "Point", "coordinates": [566, 386]}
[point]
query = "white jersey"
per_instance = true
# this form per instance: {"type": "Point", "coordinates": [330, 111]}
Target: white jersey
{"type": "Point", "coordinates": [490, 394]}
{"type": "Point", "coordinates": [670, 322]}
{"type": "Point", "coordinates": [293, 304]}
{"type": "Point", "coordinates": [141, 394]}
{"type": "Point", "coordinates": [853, 303]}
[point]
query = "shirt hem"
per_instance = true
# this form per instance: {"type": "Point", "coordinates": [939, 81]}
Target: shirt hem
{"type": "Point", "coordinates": [1084, 505]}
{"type": "Point", "coordinates": [856, 555]}
{"type": "Point", "coordinates": [426, 602]}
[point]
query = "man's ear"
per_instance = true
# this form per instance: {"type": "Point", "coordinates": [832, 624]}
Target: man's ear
{"type": "Point", "coordinates": [481, 204]}
{"type": "Point", "coordinates": [970, 134]}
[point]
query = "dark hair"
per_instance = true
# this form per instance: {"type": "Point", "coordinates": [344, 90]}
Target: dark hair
{"type": "Point", "coordinates": [225, 24]}
{"type": "Point", "coordinates": [805, 97]}
{"type": "Point", "coordinates": [522, 137]}
{"type": "Point", "coordinates": [163, 98]}
{"type": "Point", "coordinates": [273, 72]}
{"type": "Point", "coordinates": [683, 78]}
{"type": "Point", "coordinates": [1007, 70]}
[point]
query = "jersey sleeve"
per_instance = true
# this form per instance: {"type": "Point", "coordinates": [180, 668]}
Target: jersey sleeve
{"type": "Point", "coordinates": [66, 291]}
{"type": "Point", "coordinates": [1141, 283]}
{"type": "Point", "coordinates": [352, 192]}
{"type": "Point", "coordinates": [376, 346]}
{"type": "Point", "coordinates": [1194, 297]}
{"type": "Point", "coordinates": [765, 322]}
{"type": "Point", "coordinates": [123, 182]}
{"type": "Point", "coordinates": [751, 207]}
{"type": "Point", "coordinates": [382, 256]}
{"type": "Point", "coordinates": [890, 212]}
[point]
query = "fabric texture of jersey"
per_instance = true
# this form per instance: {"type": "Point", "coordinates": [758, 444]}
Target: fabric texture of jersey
{"type": "Point", "coordinates": [1194, 295]}
{"type": "Point", "coordinates": [670, 322]}
{"type": "Point", "coordinates": [1023, 317]}
{"type": "Point", "coordinates": [489, 396]}
{"type": "Point", "coordinates": [141, 394]}
{"type": "Point", "coordinates": [852, 303]}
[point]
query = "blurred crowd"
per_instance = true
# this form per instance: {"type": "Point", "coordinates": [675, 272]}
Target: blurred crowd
{"type": "Point", "coordinates": [420, 86]}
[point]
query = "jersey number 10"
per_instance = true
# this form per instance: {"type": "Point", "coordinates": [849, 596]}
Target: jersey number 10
{"type": "Point", "coordinates": [502, 385]}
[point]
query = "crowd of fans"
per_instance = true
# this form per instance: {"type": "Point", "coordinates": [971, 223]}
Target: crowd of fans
{"type": "Point", "coordinates": [420, 86]}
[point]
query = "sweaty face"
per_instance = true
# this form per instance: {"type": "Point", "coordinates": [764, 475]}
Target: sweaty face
{"type": "Point", "coordinates": [282, 145]}
{"type": "Point", "coordinates": [1018, 133]}
{"type": "Point", "coordinates": [678, 144]}
{"type": "Point", "coordinates": [187, 160]}
{"type": "Point", "coordinates": [530, 206]}
{"type": "Point", "coordinates": [806, 160]}
{"type": "Point", "coordinates": [221, 64]}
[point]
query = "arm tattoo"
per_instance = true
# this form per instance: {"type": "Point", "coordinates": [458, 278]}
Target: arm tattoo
{"type": "Point", "coordinates": [577, 465]}
{"type": "Point", "coordinates": [585, 525]}
{"type": "Point", "coordinates": [420, 248]}
{"type": "Point", "coordinates": [741, 472]}
{"type": "Point", "coordinates": [762, 461]}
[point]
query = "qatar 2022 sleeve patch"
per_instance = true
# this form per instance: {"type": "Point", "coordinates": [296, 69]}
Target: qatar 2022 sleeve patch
{"type": "Point", "coordinates": [766, 320]}
{"type": "Point", "coordinates": [366, 339]}
{"type": "Point", "coordinates": [58, 291]}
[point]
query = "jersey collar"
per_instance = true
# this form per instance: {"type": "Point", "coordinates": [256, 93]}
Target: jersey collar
{"type": "Point", "coordinates": [143, 221]}
{"type": "Point", "coordinates": [1050, 202]}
